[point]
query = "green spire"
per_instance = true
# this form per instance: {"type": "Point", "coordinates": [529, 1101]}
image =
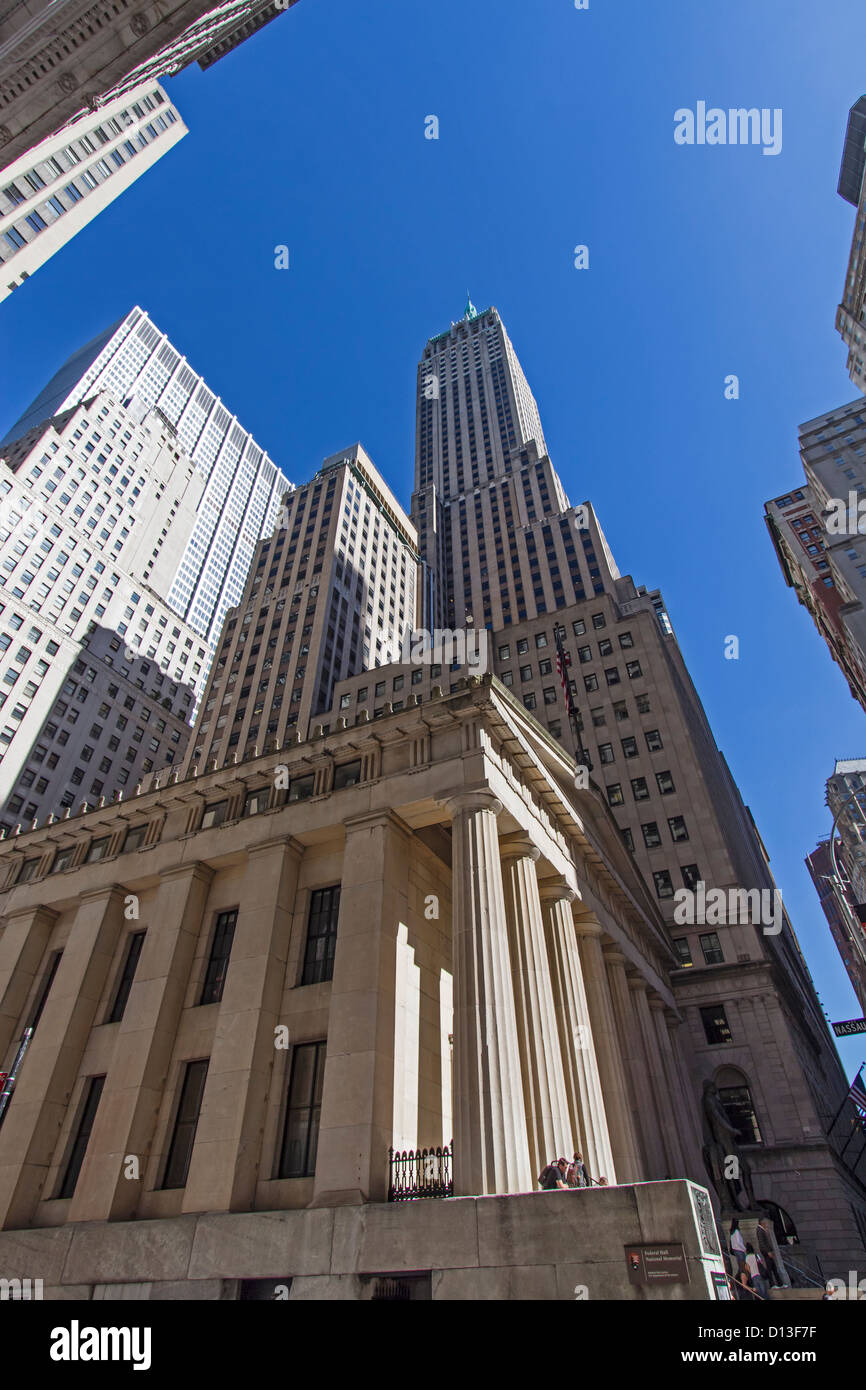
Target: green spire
{"type": "Point", "coordinates": [470, 312]}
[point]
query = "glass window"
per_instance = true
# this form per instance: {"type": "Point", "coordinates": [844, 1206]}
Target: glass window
{"type": "Point", "coordinates": [186, 1124]}
{"type": "Point", "coordinates": [347, 774]}
{"type": "Point", "coordinates": [712, 948]}
{"type": "Point", "coordinates": [214, 814]}
{"type": "Point", "coordinates": [133, 951]}
{"type": "Point", "coordinates": [93, 1091]}
{"type": "Point", "coordinates": [614, 794]}
{"type": "Point", "coordinates": [218, 961]}
{"type": "Point", "coordinates": [683, 950]}
{"type": "Point", "coordinates": [715, 1021]}
{"type": "Point", "coordinates": [663, 883]}
{"type": "Point", "coordinates": [321, 935]}
{"type": "Point", "coordinates": [303, 1108]}
{"type": "Point", "coordinates": [651, 837]}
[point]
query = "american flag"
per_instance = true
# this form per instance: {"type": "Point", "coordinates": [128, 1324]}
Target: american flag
{"type": "Point", "coordinates": [857, 1091]}
{"type": "Point", "coordinates": [563, 662]}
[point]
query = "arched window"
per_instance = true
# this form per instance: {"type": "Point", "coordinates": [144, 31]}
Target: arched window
{"type": "Point", "coordinates": [783, 1227]}
{"type": "Point", "coordinates": [736, 1097]}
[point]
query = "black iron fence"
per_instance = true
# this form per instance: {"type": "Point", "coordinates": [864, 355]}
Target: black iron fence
{"type": "Point", "coordinates": [417, 1173]}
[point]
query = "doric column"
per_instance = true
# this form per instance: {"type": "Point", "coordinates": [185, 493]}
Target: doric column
{"type": "Point", "coordinates": [666, 1122]}
{"type": "Point", "coordinates": [583, 1084]}
{"type": "Point", "coordinates": [23, 942]}
{"type": "Point", "coordinates": [227, 1152]}
{"type": "Point", "coordinates": [491, 1153]}
{"type": "Point", "coordinates": [616, 1102]}
{"type": "Point", "coordinates": [357, 1122]}
{"type": "Point", "coordinates": [692, 1138]}
{"type": "Point", "coordinates": [547, 1117]}
{"type": "Point", "coordinates": [146, 1036]}
{"type": "Point", "coordinates": [635, 1072]}
{"type": "Point", "coordinates": [28, 1139]}
{"type": "Point", "coordinates": [672, 1089]}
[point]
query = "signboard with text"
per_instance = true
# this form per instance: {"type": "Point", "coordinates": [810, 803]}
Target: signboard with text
{"type": "Point", "coordinates": [849, 1026]}
{"type": "Point", "coordinates": [656, 1264]}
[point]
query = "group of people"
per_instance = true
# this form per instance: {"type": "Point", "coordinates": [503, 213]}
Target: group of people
{"type": "Point", "coordinates": [560, 1173]}
{"type": "Point", "coordinates": [755, 1272]}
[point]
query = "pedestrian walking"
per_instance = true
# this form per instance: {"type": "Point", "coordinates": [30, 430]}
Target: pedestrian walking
{"type": "Point", "coordinates": [765, 1248]}
{"type": "Point", "coordinates": [756, 1269]}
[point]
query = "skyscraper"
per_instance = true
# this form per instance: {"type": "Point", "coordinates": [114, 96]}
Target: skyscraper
{"type": "Point", "coordinates": [820, 537]}
{"type": "Point", "coordinates": [60, 58]}
{"type": "Point", "coordinates": [832, 877]}
{"type": "Point", "coordinates": [851, 313]}
{"type": "Point", "coordinates": [135, 362]}
{"type": "Point", "coordinates": [330, 593]}
{"type": "Point", "coordinates": [55, 189]}
{"type": "Point", "coordinates": [98, 675]}
{"type": "Point", "coordinates": [501, 542]}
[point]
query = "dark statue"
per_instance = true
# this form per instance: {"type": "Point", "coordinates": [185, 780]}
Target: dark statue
{"type": "Point", "coordinates": [720, 1146]}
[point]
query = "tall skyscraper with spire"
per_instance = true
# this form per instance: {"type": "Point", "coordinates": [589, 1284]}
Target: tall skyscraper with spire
{"type": "Point", "coordinates": [503, 549]}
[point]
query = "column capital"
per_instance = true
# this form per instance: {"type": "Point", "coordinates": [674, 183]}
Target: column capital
{"type": "Point", "coordinates": [481, 799]}
{"type": "Point", "coordinates": [614, 955]}
{"type": "Point", "coordinates": [518, 846]}
{"type": "Point", "coordinates": [588, 926]}
{"type": "Point", "coordinates": [196, 869]}
{"type": "Point", "coordinates": [554, 890]}
{"type": "Point", "coordinates": [35, 910]}
{"type": "Point", "coordinates": [636, 982]}
{"type": "Point", "coordinates": [657, 1004]}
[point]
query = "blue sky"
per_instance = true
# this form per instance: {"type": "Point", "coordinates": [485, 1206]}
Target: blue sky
{"type": "Point", "coordinates": [556, 129]}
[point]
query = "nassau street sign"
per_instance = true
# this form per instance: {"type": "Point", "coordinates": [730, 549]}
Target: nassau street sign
{"type": "Point", "coordinates": [850, 1025]}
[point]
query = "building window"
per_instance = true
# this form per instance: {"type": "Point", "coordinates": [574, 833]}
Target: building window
{"type": "Point", "coordinates": [28, 869]}
{"type": "Point", "coordinates": [678, 829]}
{"type": "Point", "coordinates": [256, 801]}
{"type": "Point", "coordinates": [628, 839]}
{"type": "Point", "coordinates": [614, 795]}
{"type": "Point", "coordinates": [681, 946]}
{"type": "Point", "coordinates": [301, 788]}
{"type": "Point", "coordinates": [347, 774]}
{"type": "Point", "coordinates": [739, 1106]}
{"type": "Point", "coordinates": [214, 814]}
{"type": "Point", "coordinates": [136, 941]}
{"type": "Point", "coordinates": [665, 783]}
{"type": "Point", "coordinates": [321, 935]}
{"type": "Point", "coordinates": [639, 788]}
{"type": "Point", "coordinates": [218, 963]}
{"type": "Point", "coordinates": [63, 859]}
{"type": "Point", "coordinates": [303, 1108]}
{"type": "Point", "coordinates": [663, 883]}
{"type": "Point", "coordinates": [629, 747]}
{"type": "Point", "coordinates": [135, 838]}
{"type": "Point", "coordinates": [605, 752]}
{"type": "Point", "coordinates": [98, 849]}
{"type": "Point", "coordinates": [79, 1146]}
{"type": "Point", "coordinates": [691, 875]}
{"type": "Point", "coordinates": [715, 1023]}
{"type": "Point", "coordinates": [651, 837]}
{"type": "Point", "coordinates": [712, 948]}
{"type": "Point", "coordinates": [633, 669]}
{"type": "Point", "coordinates": [185, 1124]}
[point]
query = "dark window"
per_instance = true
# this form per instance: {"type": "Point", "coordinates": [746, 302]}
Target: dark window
{"type": "Point", "coordinates": [63, 859]}
{"type": "Point", "coordinates": [28, 869]}
{"type": "Point", "coordinates": [79, 1147]}
{"type": "Point", "coordinates": [44, 989]}
{"type": "Point", "coordinates": [678, 828]}
{"type": "Point", "coordinates": [301, 1131]}
{"type": "Point", "coordinates": [321, 935]}
{"type": "Point", "coordinates": [681, 946]}
{"type": "Point", "coordinates": [651, 837]}
{"type": "Point", "coordinates": [653, 740]}
{"type": "Point", "coordinates": [98, 849]}
{"type": "Point", "coordinates": [185, 1124]}
{"type": "Point", "coordinates": [715, 1023]}
{"type": "Point", "coordinates": [614, 794]}
{"type": "Point", "coordinates": [218, 964]}
{"type": "Point", "coordinates": [214, 814]}
{"type": "Point", "coordinates": [712, 948]}
{"type": "Point", "coordinates": [663, 883]}
{"type": "Point", "coordinates": [691, 875]}
{"type": "Point", "coordinates": [135, 837]}
{"type": "Point", "coordinates": [301, 788]}
{"type": "Point", "coordinates": [740, 1110]}
{"type": "Point", "coordinates": [347, 774]}
{"type": "Point", "coordinates": [136, 941]}
{"type": "Point", "coordinates": [256, 801]}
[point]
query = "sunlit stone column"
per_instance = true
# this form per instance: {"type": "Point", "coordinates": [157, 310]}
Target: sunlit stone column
{"type": "Point", "coordinates": [635, 1073]}
{"type": "Point", "coordinates": [491, 1153]}
{"type": "Point", "coordinates": [589, 1130]}
{"type": "Point", "coordinates": [666, 1122]}
{"type": "Point", "coordinates": [624, 1143]}
{"type": "Point", "coordinates": [672, 1089]}
{"type": "Point", "coordinates": [547, 1118]}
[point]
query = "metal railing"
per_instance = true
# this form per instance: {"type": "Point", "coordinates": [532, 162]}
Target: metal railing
{"type": "Point", "coordinates": [418, 1173]}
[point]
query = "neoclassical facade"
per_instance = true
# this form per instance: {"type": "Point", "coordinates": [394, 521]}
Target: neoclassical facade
{"type": "Point", "coordinates": [246, 987]}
